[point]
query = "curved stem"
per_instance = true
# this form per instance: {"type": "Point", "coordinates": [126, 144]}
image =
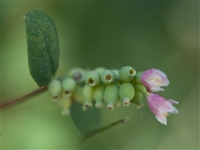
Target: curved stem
{"type": "Point", "coordinates": [109, 126]}
{"type": "Point", "coordinates": [23, 97]}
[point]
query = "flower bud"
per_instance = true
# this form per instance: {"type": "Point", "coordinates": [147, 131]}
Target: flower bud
{"type": "Point", "coordinates": [65, 103]}
{"type": "Point", "coordinates": [111, 95]}
{"type": "Point", "coordinates": [88, 95]}
{"type": "Point", "coordinates": [92, 78]}
{"type": "Point", "coordinates": [127, 73]}
{"type": "Point", "coordinates": [108, 77]}
{"type": "Point", "coordinates": [54, 88]}
{"type": "Point", "coordinates": [141, 88]}
{"type": "Point", "coordinates": [98, 95]}
{"type": "Point", "coordinates": [68, 86]}
{"type": "Point", "coordinates": [126, 93]}
{"type": "Point", "coordinates": [137, 99]}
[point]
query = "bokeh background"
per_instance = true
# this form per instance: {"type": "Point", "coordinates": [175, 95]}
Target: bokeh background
{"type": "Point", "coordinates": [163, 35]}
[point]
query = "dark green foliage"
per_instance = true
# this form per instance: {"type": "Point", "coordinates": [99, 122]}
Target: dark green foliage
{"type": "Point", "coordinates": [85, 121]}
{"type": "Point", "coordinates": [43, 49]}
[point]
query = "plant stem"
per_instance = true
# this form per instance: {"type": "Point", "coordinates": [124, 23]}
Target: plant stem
{"type": "Point", "coordinates": [94, 132]}
{"type": "Point", "coordinates": [23, 97]}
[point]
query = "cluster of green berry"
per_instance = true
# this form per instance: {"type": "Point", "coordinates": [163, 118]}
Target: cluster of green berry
{"type": "Point", "coordinates": [105, 86]}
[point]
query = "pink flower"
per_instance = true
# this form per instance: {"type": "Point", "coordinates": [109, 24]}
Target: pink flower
{"type": "Point", "coordinates": [153, 79]}
{"type": "Point", "coordinates": [161, 107]}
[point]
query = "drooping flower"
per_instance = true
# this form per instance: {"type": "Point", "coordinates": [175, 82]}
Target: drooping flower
{"type": "Point", "coordinates": [161, 107]}
{"type": "Point", "coordinates": [154, 79]}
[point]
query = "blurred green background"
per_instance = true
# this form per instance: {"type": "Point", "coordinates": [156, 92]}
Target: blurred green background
{"type": "Point", "coordinates": [163, 35]}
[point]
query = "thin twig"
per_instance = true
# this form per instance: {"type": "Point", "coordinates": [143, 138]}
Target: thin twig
{"type": "Point", "coordinates": [94, 132]}
{"type": "Point", "coordinates": [23, 98]}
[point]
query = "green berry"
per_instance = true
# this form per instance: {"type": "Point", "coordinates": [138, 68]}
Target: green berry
{"type": "Point", "coordinates": [116, 72]}
{"type": "Point", "coordinates": [68, 86]}
{"type": "Point", "coordinates": [78, 94]}
{"type": "Point", "coordinates": [108, 77]}
{"type": "Point", "coordinates": [98, 95]}
{"type": "Point", "coordinates": [127, 73]}
{"type": "Point", "coordinates": [137, 99]}
{"type": "Point", "coordinates": [126, 93]}
{"type": "Point", "coordinates": [111, 95]}
{"type": "Point", "coordinates": [92, 78]}
{"type": "Point", "coordinates": [88, 95]}
{"type": "Point", "coordinates": [54, 88]}
{"type": "Point", "coordinates": [65, 103]}
{"type": "Point", "coordinates": [99, 69]}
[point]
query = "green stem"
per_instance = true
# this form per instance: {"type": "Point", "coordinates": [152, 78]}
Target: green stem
{"type": "Point", "coordinates": [94, 132]}
{"type": "Point", "coordinates": [23, 98]}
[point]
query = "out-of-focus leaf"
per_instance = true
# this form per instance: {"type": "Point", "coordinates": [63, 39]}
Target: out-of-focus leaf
{"type": "Point", "coordinates": [43, 49]}
{"type": "Point", "coordinates": [85, 121]}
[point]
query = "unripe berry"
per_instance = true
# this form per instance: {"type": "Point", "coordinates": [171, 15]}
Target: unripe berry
{"type": "Point", "coordinates": [108, 77]}
{"type": "Point", "coordinates": [98, 95]}
{"type": "Point", "coordinates": [126, 93]}
{"type": "Point", "coordinates": [127, 73]}
{"type": "Point", "coordinates": [92, 78]}
{"type": "Point", "coordinates": [116, 72]}
{"type": "Point", "coordinates": [88, 95]}
{"type": "Point", "coordinates": [64, 103]}
{"type": "Point", "coordinates": [111, 95]}
{"type": "Point", "coordinates": [54, 88]}
{"type": "Point", "coordinates": [78, 94]}
{"type": "Point", "coordinates": [137, 99]}
{"type": "Point", "coordinates": [99, 69]}
{"type": "Point", "coordinates": [68, 86]}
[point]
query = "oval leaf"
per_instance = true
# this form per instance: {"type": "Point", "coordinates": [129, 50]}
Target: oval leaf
{"type": "Point", "coordinates": [43, 49]}
{"type": "Point", "coordinates": [85, 121]}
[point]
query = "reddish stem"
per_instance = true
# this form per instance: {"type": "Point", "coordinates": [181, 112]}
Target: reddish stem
{"type": "Point", "coordinates": [23, 97]}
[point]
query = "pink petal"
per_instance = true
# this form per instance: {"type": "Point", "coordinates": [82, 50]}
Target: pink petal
{"type": "Point", "coordinates": [161, 118]}
{"type": "Point", "coordinates": [172, 101]}
{"type": "Point", "coordinates": [154, 79]}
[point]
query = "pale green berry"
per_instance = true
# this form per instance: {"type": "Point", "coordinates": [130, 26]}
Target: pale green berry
{"type": "Point", "coordinates": [68, 86]}
{"type": "Point", "coordinates": [126, 93]}
{"type": "Point", "coordinates": [111, 95]}
{"type": "Point", "coordinates": [54, 88]}
{"type": "Point", "coordinates": [92, 78]}
{"type": "Point", "coordinates": [99, 69]}
{"type": "Point", "coordinates": [116, 72]}
{"type": "Point", "coordinates": [108, 77]}
{"type": "Point", "coordinates": [78, 74]}
{"type": "Point", "coordinates": [127, 73]}
{"type": "Point", "coordinates": [65, 104]}
{"type": "Point", "coordinates": [78, 94]}
{"type": "Point", "coordinates": [98, 95]}
{"type": "Point", "coordinates": [137, 99]}
{"type": "Point", "coordinates": [88, 95]}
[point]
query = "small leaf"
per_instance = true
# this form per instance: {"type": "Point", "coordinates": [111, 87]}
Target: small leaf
{"type": "Point", "coordinates": [85, 121]}
{"type": "Point", "coordinates": [43, 49]}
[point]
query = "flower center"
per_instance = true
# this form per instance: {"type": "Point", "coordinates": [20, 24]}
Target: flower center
{"type": "Point", "coordinates": [166, 114]}
{"type": "Point", "coordinates": [156, 81]}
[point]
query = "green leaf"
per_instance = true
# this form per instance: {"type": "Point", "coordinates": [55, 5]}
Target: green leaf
{"type": "Point", "coordinates": [85, 121]}
{"type": "Point", "coordinates": [43, 49]}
